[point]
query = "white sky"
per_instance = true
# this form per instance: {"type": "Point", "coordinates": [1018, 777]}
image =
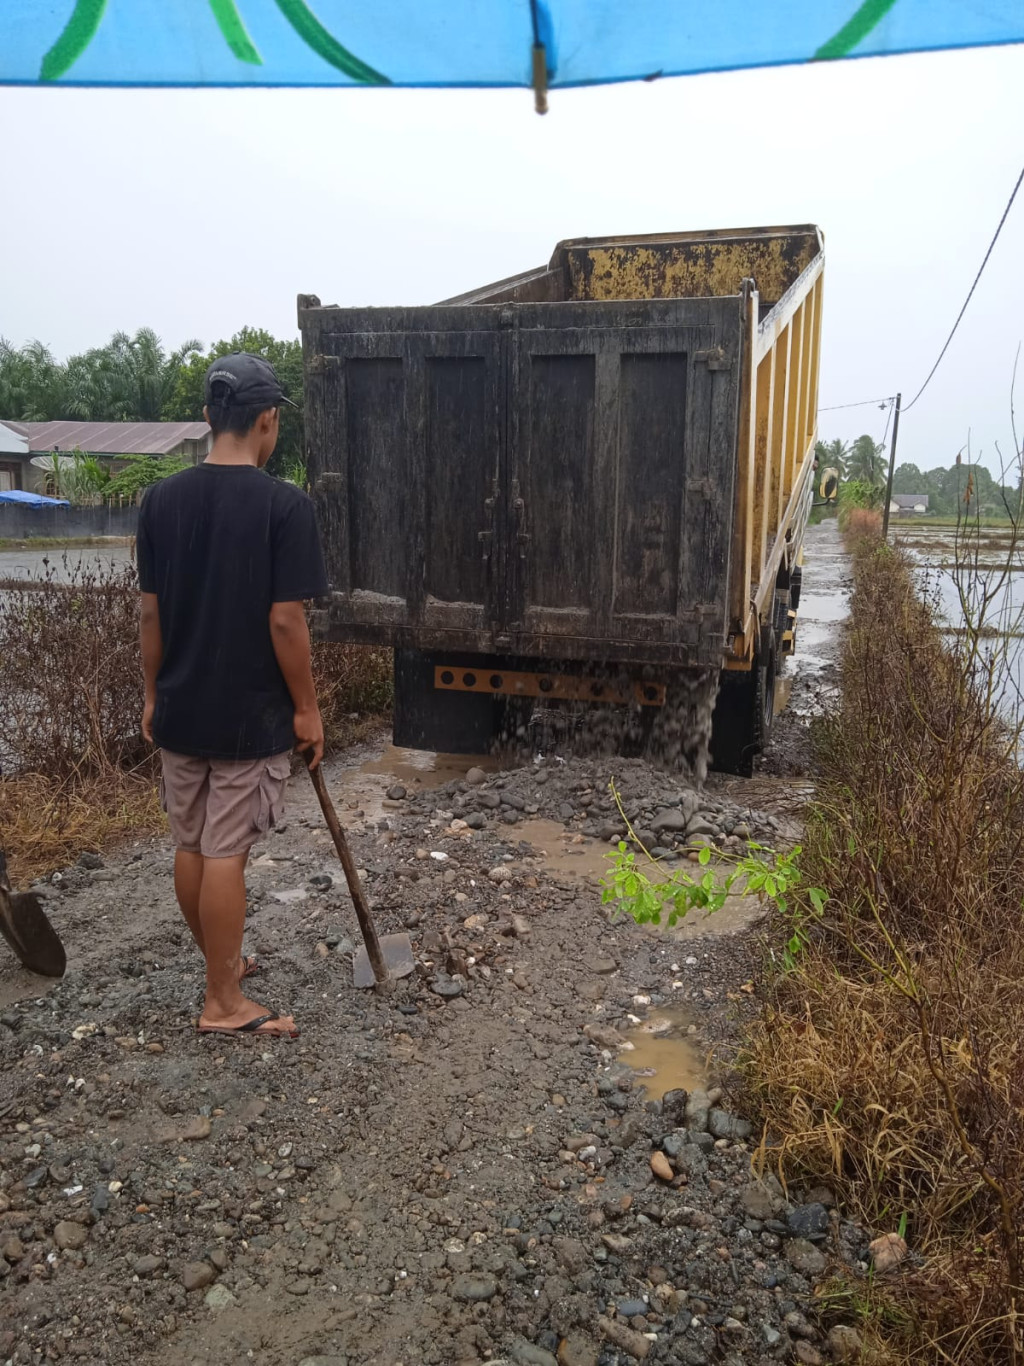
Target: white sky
{"type": "Point", "coordinates": [196, 212]}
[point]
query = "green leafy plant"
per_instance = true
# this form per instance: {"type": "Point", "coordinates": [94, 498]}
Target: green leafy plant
{"type": "Point", "coordinates": [141, 471]}
{"type": "Point", "coordinates": [642, 889]}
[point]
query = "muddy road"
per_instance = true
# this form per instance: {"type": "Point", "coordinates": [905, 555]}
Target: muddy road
{"type": "Point", "coordinates": [520, 1155]}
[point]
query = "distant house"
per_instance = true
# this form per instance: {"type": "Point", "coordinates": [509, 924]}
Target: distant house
{"type": "Point", "coordinates": [909, 504]}
{"type": "Point", "coordinates": [23, 445]}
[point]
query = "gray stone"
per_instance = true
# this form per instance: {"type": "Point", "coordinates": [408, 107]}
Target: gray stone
{"type": "Point", "coordinates": [474, 1288]}
{"type": "Point", "coordinates": [673, 1144]}
{"type": "Point", "coordinates": [631, 1309]}
{"type": "Point", "coordinates": [219, 1297]}
{"type": "Point", "coordinates": [198, 1275]}
{"type": "Point", "coordinates": [845, 1344]}
{"type": "Point", "coordinates": [700, 826]}
{"type": "Point", "coordinates": [741, 831]}
{"type": "Point", "coordinates": [446, 987]}
{"type": "Point", "coordinates": [724, 1125]}
{"type": "Point", "coordinates": [149, 1265]}
{"type": "Point", "coordinates": [805, 1257]}
{"type": "Point", "coordinates": [698, 1108]}
{"type": "Point", "coordinates": [760, 1201]}
{"type": "Point", "coordinates": [397, 793]}
{"type": "Point", "coordinates": [691, 1161]}
{"type": "Point", "coordinates": [90, 861]}
{"type": "Point", "coordinates": [526, 1354]}
{"type": "Point", "coordinates": [476, 820]}
{"type": "Point", "coordinates": [808, 1221]}
{"type": "Point", "coordinates": [596, 962]}
{"type": "Point", "coordinates": [668, 821]}
{"type": "Point", "coordinates": [476, 777]}
{"type": "Point", "coordinates": [489, 799]}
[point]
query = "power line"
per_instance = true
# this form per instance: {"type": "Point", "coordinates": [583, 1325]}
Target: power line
{"type": "Point", "coordinates": [970, 292]}
{"type": "Point", "coordinates": [864, 403]}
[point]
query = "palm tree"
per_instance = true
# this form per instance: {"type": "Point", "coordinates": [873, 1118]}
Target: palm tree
{"type": "Point", "coordinates": [866, 463]}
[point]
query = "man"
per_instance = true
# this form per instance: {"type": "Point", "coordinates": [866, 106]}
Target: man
{"type": "Point", "coordinates": [227, 555]}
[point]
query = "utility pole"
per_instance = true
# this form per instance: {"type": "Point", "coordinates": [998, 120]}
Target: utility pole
{"type": "Point", "coordinates": [892, 467]}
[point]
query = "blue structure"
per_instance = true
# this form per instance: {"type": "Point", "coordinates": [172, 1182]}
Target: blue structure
{"type": "Point", "coordinates": [32, 500]}
{"type": "Point", "coordinates": [466, 42]}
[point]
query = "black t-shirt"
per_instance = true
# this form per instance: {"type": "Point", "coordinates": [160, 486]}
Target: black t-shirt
{"type": "Point", "coordinates": [218, 545]}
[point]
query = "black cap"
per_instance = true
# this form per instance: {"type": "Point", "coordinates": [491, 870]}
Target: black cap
{"type": "Point", "coordinates": [249, 381]}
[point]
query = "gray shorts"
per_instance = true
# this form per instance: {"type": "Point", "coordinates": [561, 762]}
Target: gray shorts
{"type": "Point", "coordinates": [220, 807]}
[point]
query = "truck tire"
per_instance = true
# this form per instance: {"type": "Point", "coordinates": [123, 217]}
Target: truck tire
{"type": "Point", "coordinates": [796, 582]}
{"type": "Point", "coordinates": [744, 711]}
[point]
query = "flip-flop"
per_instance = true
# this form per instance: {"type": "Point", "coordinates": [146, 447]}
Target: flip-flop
{"type": "Point", "coordinates": [252, 1027]}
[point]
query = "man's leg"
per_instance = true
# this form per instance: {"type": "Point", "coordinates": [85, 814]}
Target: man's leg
{"type": "Point", "coordinates": [188, 879]}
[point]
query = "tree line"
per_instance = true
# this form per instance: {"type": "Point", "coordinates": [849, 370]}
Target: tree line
{"type": "Point", "coordinates": [136, 379]}
{"type": "Point", "coordinates": [864, 462]}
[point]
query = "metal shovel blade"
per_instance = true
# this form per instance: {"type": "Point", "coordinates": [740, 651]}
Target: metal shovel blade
{"type": "Point", "coordinates": [398, 956]}
{"type": "Point", "coordinates": [24, 925]}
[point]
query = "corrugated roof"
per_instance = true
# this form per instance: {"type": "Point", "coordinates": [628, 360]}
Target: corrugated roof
{"type": "Point", "coordinates": [111, 438]}
{"type": "Point", "coordinates": [910, 500]}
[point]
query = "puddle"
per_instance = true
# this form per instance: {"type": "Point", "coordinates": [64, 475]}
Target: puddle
{"type": "Point", "coordinates": [559, 854]}
{"type": "Point", "coordinates": [822, 607]}
{"type": "Point", "coordinates": [421, 768]}
{"type": "Point", "coordinates": [783, 688]}
{"type": "Point", "coordinates": [663, 1055]}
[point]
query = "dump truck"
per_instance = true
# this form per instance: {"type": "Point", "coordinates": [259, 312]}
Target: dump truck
{"type": "Point", "coordinates": [580, 489]}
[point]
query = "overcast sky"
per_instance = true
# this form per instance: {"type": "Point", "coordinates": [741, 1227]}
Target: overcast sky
{"type": "Point", "coordinates": [196, 212]}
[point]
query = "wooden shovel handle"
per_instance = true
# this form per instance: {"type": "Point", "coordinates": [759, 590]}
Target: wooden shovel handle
{"type": "Point", "coordinates": [355, 887]}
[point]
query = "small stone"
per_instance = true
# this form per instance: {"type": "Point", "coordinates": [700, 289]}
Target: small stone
{"type": "Point", "coordinates": [630, 1309]}
{"type": "Point", "coordinates": [397, 793]}
{"type": "Point", "coordinates": [472, 1289]}
{"type": "Point", "coordinates": [808, 1221]}
{"type": "Point", "coordinates": [446, 987]}
{"type": "Point", "coordinates": [575, 1350]}
{"type": "Point", "coordinates": [301, 1286]}
{"type": "Point", "coordinates": [219, 1297]}
{"type": "Point", "coordinates": [600, 964]}
{"type": "Point", "coordinates": [148, 1265]}
{"type": "Point", "coordinates": [198, 1275]}
{"type": "Point", "coordinates": [628, 1339]}
{"type": "Point", "coordinates": [807, 1354]}
{"type": "Point", "coordinates": [526, 1354]}
{"type": "Point", "coordinates": [290, 895]}
{"type": "Point", "coordinates": [724, 1125]}
{"type": "Point", "coordinates": [476, 820]}
{"type": "Point", "coordinates": [887, 1252]}
{"type": "Point", "coordinates": [604, 1036]}
{"type": "Point", "coordinates": [759, 1201]}
{"type": "Point", "coordinates": [805, 1257]}
{"type": "Point", "coordinates": [845, 1344]}
{"type": "Point", "coordinates": [70, 1237]}
{"type": "Point", "coordinates": [476, 777]}
{"type": "Point", "coordinates": [673, 822]}
{"type": "Point", "coordinates": [321, 882]}
{"type": "Point", "coordinates": [197, 1129]}
{"type": "Point", "coordinates": [617, 1243]}
{"type": "Point", "coordinates": [661, 1167]}
{"type": "Point", "coordinates": [698, 1108]}
{"type": "Point", "coordinates": [521, 927]}
{"type": "Point", "coordinates": [501, 873]}
{"type": "Point", "coordinates": [90, 861]}
{"type": "Point", "coordinates": [11, 1248]}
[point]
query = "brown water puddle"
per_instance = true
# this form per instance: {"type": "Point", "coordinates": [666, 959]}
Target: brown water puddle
{"type": "Point", "coordinates": [422, 768]}
{"type": "Point", "coordinates": [663, 1055]}
{"type": "Point", "coordinates": [560, 853]}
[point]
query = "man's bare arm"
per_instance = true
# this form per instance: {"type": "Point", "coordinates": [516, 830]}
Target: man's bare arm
{"type": "Point", "coordinates": [152, 657]}
{"type": "Point", "coordinates": [289, 634]}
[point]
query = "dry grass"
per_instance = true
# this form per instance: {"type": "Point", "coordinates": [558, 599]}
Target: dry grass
{"type": "Point", "coordinates": [75, 773]}
{"type": "Point", "coordinates": [891, 1062]}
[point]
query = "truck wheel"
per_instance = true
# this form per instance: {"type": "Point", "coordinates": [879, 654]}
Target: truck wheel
{"type": "Point", "coordinates": [744, 712]}
{"type": "Point", "coordinates": [796, 581]}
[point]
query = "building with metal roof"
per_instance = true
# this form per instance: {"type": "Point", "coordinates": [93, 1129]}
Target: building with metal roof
{"type": "Point", "coordinates": [24, 442]}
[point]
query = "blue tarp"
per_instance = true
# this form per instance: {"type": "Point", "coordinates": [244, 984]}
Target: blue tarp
{"type": "Point", "coordinates": [465, 42]}
{"type": "Point", "coordinates": [32, 500]}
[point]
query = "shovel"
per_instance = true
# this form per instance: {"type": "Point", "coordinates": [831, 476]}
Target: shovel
{"type": "Point", "coordinates": [380, 960]}
{"type": "Point", "coordinates": [24, 925]}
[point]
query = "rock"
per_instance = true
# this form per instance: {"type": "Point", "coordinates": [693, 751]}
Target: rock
{"type": "Point", "coordinates": [198, 1275]}
{"type": "Point", "coordinates": [600, 964]}
{"type": "Point", "coordinates": [724, 1125]}
{"type": "Point", "coordinates": [698, 1108]}
{"type": "Point", "coordinates": [336, 1359]}
{"type": "Point", "coordinates": [699, 826]}
{"type": "Point", "coordinates": [472, 1289]}
{"type": "Point", "coordinates": [290, 895]}
{"type": "Point", "coordinates": [219, 1297]}
{"type": "Point", "coordinates": [396, 793]}
{"type": "Point", "coordinates": [89, 861]}
{"type": "Point", "coordinates": [670, 822]}
{"type": "Point", "coordinates": [521, 927]}
{"type": "Point", "coordinates": [673, 1106]}
{"type": "Point", "coordinates": [630, 1309]}
{"type": "Point", "coordinates": [805, 1257]}
{"type": "Point", "coordinates": [70, 1237]}
{"type": "Point", "coordinates": [526, 1354]}
{"type": "Point", "coordinates": [12, 1248]}
{"type": "Point", "coordinates": [604, 1036]}
{"type": "Point", "coordinates": [446, 987]}
{"type": "Point", "coordinates": [845, 1344]}
{"type": "Point", "coordinates": [476, 777]}
{"type": "Point", "coordinates": [691, 1160]}
{"type": "Point", "coordinates": [887, 1252]}
{"type": "Point", "coordinates": [476, 820]}
{"type": "Point", "coordinates": [575, 1350]}
{"type": "Point", "coordinates": [197, 1129]}
{"type": "Point", "coordinates": [661, 1167]}
{"type": "Point", "coordinates": [760, 1201]}
{"type": "Point", "coordinates": [100, 1202]}
{"type": "Point", "coordinates": [502, 873]}
{"type": "Point", "coordinates": [808, 1221]}
{"type": "Point", "coordinates": [807, 1354]}
{"type": "Point", "coordinates": [490, 800]}
{"type": "Point", "coordinates": [625, 1338]}
{"type": "Point", "coordinates": [570, 1254]}
{"type": "Point", "coordinates": [617, 1243]}
{"type": "Point", "coordinates": [148, 1265]}
{"type": "Point", "coordinates": [741, 831]}
{"type": "Point", "coordinates": [300, 1286]}
{"type": "Point", "coordinates": [322, 882]}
